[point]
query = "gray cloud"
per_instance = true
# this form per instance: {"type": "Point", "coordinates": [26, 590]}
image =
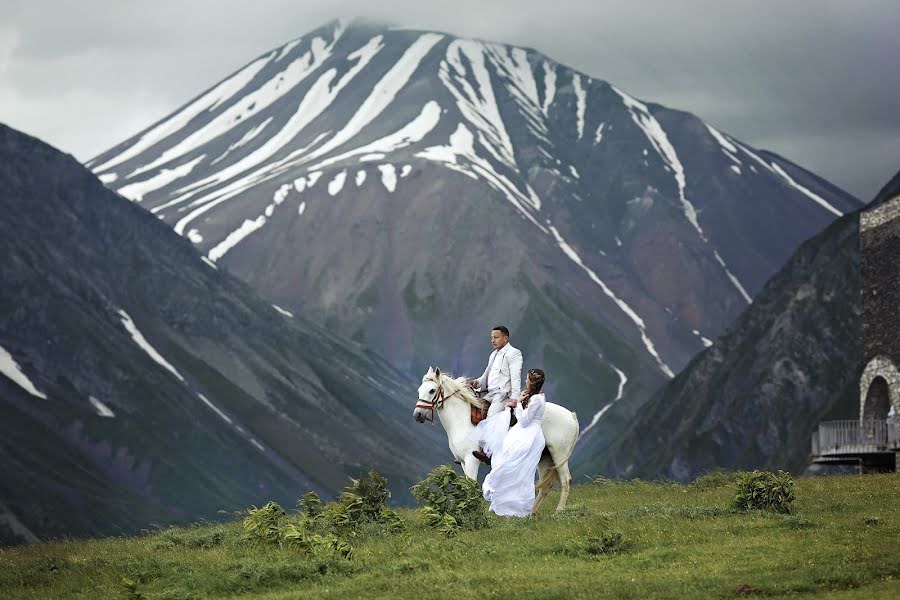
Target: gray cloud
{"type": "Point", "coordinates": [813, 80]}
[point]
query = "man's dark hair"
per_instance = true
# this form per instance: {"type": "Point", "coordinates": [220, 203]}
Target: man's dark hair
{"type": "Point", "coordinates": [502, 329]}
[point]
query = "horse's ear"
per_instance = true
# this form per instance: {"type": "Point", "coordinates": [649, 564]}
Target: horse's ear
{"type": "Point", "coordinates": [437, 372]}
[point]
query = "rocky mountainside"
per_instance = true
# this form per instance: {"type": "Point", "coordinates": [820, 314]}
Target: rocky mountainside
{"type": "Point", "coordinates": [412, 189]}
{"type": "Point", "coordinates": [142, 386]}
{"type": "Point", "coordinates": [753, 399]}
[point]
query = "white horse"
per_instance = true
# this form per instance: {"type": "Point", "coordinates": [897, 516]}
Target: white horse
{"type": "Point", "coordinates": [452, 400]}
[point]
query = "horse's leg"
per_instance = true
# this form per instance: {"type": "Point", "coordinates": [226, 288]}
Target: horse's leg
{"type": "Point", "coordinates": [470, 467]}
{"type": "Point", "coordinates": [545, 463]}
{"type": "Point", "coordinates": [565, 481]}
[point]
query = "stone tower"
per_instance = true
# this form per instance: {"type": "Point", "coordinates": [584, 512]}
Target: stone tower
{"type": "Point", "coordinates": [879, 240]}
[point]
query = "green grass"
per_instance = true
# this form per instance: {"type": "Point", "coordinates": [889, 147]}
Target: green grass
{"type": "Point", "coordinates": [842, 539]}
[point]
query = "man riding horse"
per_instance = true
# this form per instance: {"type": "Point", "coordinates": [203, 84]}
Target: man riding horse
{"type": "Point", "coordinates": [500, 385]}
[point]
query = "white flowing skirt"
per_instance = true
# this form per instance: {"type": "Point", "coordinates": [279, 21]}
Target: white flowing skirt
{"type": "Point", "coordinates": [510, 485]}
{"type": "Point", "coordinates": [490, 432]}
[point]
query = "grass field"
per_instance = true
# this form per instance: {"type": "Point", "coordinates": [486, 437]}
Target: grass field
{"type": "Point", "coordinates": [842, 540]}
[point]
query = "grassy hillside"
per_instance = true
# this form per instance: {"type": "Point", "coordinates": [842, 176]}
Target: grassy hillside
{"type": "Point", "coordinates": [842, 539]}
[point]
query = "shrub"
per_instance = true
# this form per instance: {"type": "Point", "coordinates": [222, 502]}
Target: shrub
{"type": "Point", "coordinates": [321, 531]}
{"type": "Point", "coordinates": [452, 502]}
{"type": "Point", "coordinates": [264, 523]}
{"type": "Point", "coordinates": [606, 542]}
{"type": "Point", "coordinates": [764, 490]}
{"type": "Point", "coordinates": [363, 502]}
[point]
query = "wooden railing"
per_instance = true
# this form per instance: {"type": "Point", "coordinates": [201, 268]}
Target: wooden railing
{"type": "Point", "coordinates": [855, 437]}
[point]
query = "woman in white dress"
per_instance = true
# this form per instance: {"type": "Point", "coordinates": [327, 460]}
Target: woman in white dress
{"type": "Point", "coordinates": [510, 485]}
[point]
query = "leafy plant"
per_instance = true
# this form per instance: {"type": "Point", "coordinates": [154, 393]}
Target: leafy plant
{"type": "Point", "coordinates": [363, 502]}
{"type": "Point", "coordinates": [321, 531]}
{"type": "Point", "coordinates": [452, 502]}
{"type": "Point", "coordinates": [264, 523]}
{"type": "Point", "coordinates": [764, 490]}
{"type": "Point", "coordinates": [310, 505]}
{"type": "Point", "coordinates": [606, 542]}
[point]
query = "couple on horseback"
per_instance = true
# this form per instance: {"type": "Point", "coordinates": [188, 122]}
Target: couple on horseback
{"type": "Point", "coordinates": [510, 438]}
{"type": "Point", "coordinates": [519, 434]}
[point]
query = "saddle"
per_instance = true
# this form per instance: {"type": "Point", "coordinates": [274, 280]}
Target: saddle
{"type": "Point", "coordinates": [479, 413]}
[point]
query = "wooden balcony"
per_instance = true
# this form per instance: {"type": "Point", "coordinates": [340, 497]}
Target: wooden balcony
{"type": "Point", "coordinates": [855, 439]}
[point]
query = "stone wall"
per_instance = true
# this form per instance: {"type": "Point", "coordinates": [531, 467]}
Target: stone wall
{"type": "Point", "coordinates": [880, 299]}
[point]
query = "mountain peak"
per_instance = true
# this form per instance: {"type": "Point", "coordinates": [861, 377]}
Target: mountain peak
{"type": "Point", "coordinates": [382, 178]}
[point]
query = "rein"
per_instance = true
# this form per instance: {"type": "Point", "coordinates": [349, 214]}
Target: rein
{"type": "Point", "coordinates": [436, 403]}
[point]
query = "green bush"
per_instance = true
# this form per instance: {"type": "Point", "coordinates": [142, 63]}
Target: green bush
{"type": "Point", "coordinates": [606, 542]}
{"type": "Point", "coordinates": [764, 490]}
{"type": "Point", "coordinates": [322, 531]}
{"type": "Point", "coordinates": [452, 502]}
{"type": "Point", "coordinates": [363, 502]}
{"type": "Point", "coordinates": [264, 523]}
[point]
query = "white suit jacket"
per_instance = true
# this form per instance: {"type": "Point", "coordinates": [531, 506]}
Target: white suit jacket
{"type": "Point", "coordinates": [510, 360]}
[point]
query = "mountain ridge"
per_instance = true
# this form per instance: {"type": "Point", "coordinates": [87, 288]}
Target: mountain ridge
{"type": "Point", "coordinates": [143, 386]}
{"type": "Point", "coordinates": [753, 400]}
{"type": "Point", "coordinates": [412, 189]}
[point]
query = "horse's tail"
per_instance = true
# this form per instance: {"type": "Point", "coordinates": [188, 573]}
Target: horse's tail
{"type": "Point", "coordinates": [552, 474]}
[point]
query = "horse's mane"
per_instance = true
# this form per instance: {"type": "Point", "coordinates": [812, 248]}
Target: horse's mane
{"type": "Point", "coordinates": [458, 387]}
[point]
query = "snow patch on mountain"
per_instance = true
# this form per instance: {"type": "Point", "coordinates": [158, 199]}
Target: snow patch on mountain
{"type": "Point", "coordinates": [215, 408]}
{"type": "Point", "coordinates": [623, 379]}
{"type": "Point", "coordinates": [135, 191]}
{"type": "Point", "coordinates": [144, 345]}
{"type": "Point", "coordinates": [477, 104]}
{"type": "Point", "coordinates": [102, 409]}
{"type": "Point", "coordinates": [286, 313]}
{"type": "Point", "coordinates": [806, 191]}
{"type": "Point", "coordinates": [255, 131]}
{"type": "Point", "coordinates": [388, 177]}
{"type": "Point", "coordinates": [580, 103]}
{"type": "Point", "coordinates": [734, 280]}
{"type": "Point", "coordinates": [235, 237]}
{"type": "Point", "coordinates": [410, 133]}
{"type": "Point", "coordinates": [11, 369]}
{"type": "Point", "coordinates": [336, 184]}
{"type": "Point", "coordinates": [549, 87]}
{"type": "Point", "coordinates": [598, 135]}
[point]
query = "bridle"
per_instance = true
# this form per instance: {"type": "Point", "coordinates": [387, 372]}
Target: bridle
{"type": "Point", "coordinates": [435, 403]}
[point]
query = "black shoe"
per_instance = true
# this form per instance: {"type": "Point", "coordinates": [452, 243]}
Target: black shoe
{"type": "Point", "coordinates": [481, 456]}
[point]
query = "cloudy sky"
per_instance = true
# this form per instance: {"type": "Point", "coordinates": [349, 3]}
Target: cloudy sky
{"type": "Point", "coordinates": [813, 80]}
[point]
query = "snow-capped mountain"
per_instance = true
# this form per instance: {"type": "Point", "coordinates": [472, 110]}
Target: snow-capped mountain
{"type": "Point", "coordinates": [412, 189]}
{"type": "Point", "coordinates": [140, 386]}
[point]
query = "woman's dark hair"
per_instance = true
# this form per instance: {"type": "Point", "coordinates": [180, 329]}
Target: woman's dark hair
{"type": "Point", "coordinates": [535, 384]}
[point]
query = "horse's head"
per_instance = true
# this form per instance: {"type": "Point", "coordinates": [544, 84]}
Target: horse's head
{"type": "Point", "coordinates": [429, 396]}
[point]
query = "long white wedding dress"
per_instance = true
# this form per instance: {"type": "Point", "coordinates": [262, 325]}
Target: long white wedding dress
{"type": "Point", "coordinates": [510, 485]}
